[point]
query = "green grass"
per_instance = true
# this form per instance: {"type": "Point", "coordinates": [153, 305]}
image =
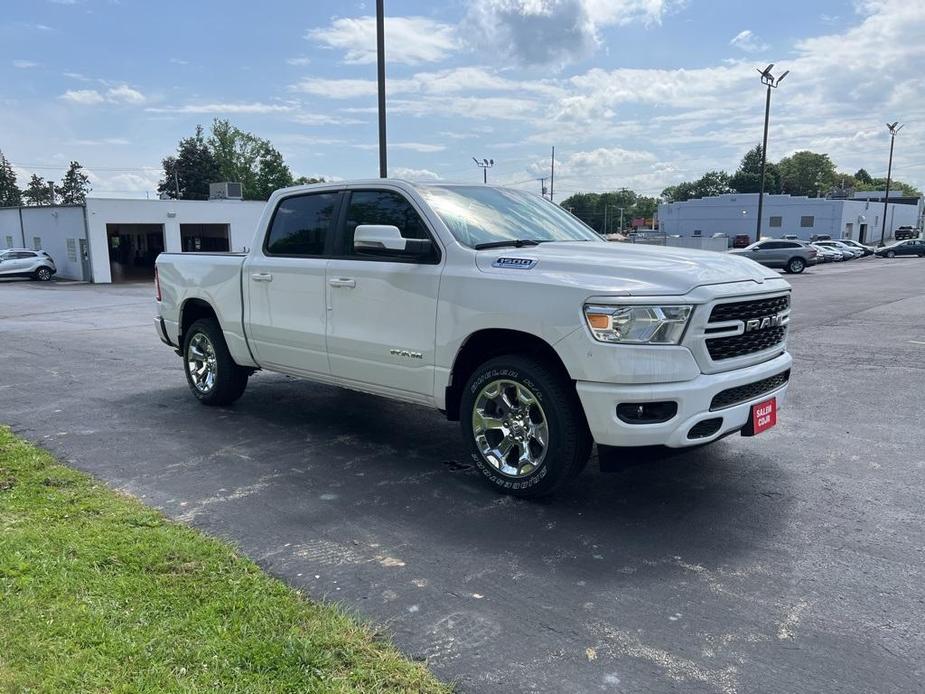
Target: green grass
{"type": "Point", "coordinates": [99, 593]}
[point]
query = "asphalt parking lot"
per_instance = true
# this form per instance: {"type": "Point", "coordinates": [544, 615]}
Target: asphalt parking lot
{"type": "Point", "coordinates": [791, 562]}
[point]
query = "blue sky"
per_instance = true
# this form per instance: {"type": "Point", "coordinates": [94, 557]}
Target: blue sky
{"type": "Point", "coordinates": [633, 93]}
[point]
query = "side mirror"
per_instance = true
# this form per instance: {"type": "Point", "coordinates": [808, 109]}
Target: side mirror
{"type": "Point", "coordinates": [379, 238]}
{"type": "Point", "coordinates": [382, 237]}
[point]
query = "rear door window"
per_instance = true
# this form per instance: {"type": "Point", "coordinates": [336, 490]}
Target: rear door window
{"type": "Point", "coordinates": [303, 225]}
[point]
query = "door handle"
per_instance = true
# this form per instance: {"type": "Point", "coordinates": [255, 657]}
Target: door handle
{"type": "Point", "coordinates": [262, 277]}
{"type": "Point", "coordinates": [342, 282]}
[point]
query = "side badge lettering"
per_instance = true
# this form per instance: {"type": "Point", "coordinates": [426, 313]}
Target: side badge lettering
{"type": "Point", "coordinates": [515, 263]}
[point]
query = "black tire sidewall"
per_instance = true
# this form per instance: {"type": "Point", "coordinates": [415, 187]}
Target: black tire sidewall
{"type": "Point", "coordinates": [796, 266]}
{"type": "Point", "coordinates": [230, 379]}
{"type": "Point", "coordinates": [554, 467]}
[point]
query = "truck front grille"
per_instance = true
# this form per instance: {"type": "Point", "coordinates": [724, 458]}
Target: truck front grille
{"type": "Point", "coordinates": [749, 343]}
{"type": "Point", "coordinates": [731, 346]}
{"type": "Point", "coordinates": [750, 391]}
{"type": "Point", "coordinates": [744, 310]}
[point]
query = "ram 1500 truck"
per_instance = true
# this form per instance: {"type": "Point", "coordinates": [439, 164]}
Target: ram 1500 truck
{"type": "Point", "coordinates": [494, 306]}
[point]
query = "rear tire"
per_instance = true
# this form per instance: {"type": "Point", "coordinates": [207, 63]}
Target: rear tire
{"type": "Point", "coordinates": [212, 375]}
{"type": "Point", "coordinates": [796, 265]}
{"type": "Point", "coordinates": [43, 274]}
{"type": "Point", "coordinates": [524, 426]}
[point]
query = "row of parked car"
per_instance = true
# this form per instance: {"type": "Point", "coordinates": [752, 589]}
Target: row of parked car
{"type": "Point", "coordinates": [794, 255]}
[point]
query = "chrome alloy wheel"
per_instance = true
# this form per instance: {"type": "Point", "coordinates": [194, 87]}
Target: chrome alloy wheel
{"type": "Point", "coordinates": [510, 428]}
{"type": "Point", "coordinates": [201, 362]}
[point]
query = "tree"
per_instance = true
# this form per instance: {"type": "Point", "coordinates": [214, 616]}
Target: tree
{"type": "Point", "coordinates": [306, 180]}
{"type": "Point", "coordinates": [272, 172]}
{"type": "Point", "coordinates": [191, 170]}
{"type": "Point", "coordinates": [862, 177]}
{"type": "Point", "coordinates": [38, 192]}
{"type": "Point", "coordinates": [711, 183]}
{"type": "Point", "coordinates": [10, 194]}
{"type": "Point", "coordinates": [747, 179]}
{"type": "Point", "coordinates": [807, 173]}
{"type": "Point", "coordinates": [250, 160]}
{"type": "Point", "coordinates": [907, 189]}
{"type": "Point", "coordinates": [74, 186]}
{"type": "Point", "coordinates": [601, 211]}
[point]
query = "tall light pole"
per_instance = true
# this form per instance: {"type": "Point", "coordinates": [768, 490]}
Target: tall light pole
{"type": "Point", "coordinates": [893, 128]}
{"type": "Point", "coordinates": [380, 59]}
{"type": "Point", "coordinates": [767, 79]}
{"type": "Point", "coordinates": [484, 165]}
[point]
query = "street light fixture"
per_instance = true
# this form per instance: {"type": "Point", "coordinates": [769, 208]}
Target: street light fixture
{"type": "Point", "coordinates": [484, 165]}
{"type": "Point", "coordinates": [894, 128]}
{"type": "Point", "coordinates": [770, 82]}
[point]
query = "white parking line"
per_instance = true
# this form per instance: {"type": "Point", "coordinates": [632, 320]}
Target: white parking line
{"type": "Point", "coordinates": [917, 342]}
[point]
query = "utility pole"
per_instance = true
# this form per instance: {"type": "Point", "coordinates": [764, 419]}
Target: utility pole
{"type": "Point", "coordinates": [552, 174]}
{"type": "Point", "coordinates": [604, 225]}
{"type": "Point", "coordinates": [176, 183]}
{"type": "Point", "coordinates": [767, 79]}
{"type": "Point", "coordinates": [51, 192]}
{"type": "Point", "coordinates": [889, 173]}
{"type": "Point", "coordinates": [621, 219]}
{"type": "Point", "coordinates": [542, 187]}
{"type": "Point", "coordinates": [380, 60]}
{"type": "Point", "coordinates": [484, 165]}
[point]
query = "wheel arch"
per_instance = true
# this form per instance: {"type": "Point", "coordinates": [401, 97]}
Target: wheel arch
{"type": "Point", "coordinates": [486, 344]}
{"type": "Point", "coordinates": [192, 310]}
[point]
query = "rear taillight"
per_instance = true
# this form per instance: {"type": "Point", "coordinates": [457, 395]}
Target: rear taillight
{"type": "Point", "coordinates": [157, 284]}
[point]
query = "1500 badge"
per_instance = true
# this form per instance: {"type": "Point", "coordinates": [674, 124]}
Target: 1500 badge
{"type": "Point", "coordinates": [515, 263]}
{"type": "Point", "coordinates": [405, 353]}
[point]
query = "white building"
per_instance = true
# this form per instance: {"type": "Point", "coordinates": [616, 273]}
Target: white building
{"type": "Point", "coordinates": [113, 240]}
{"type": "Point", "coordinates": [736, 213]}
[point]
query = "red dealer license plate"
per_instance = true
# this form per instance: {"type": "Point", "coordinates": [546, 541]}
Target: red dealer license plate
{"type": "Point", "coordinates": [764, 416]}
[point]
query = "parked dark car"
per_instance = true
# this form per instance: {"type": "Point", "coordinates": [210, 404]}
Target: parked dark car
{"type": "Point", "coordinates": [910, 247]}
{"type": "Point", "coordinates": [820, 237]}
{"type": "Point", "coordinates": [741, 241]}
{"type": "Point", "coordinates": [904, 232]}
{"type": "Point", "coordinates": [792, 256]}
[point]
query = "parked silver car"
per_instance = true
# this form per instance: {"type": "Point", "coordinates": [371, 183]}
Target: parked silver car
{"type": "Point", "coordinates": [24, 262]}
{"type": "Point", "coordinates": [792, 256]}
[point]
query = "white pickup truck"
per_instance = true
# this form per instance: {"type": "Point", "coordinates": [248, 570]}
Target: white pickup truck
{"type": "Point", "coordinates": [494, 306]}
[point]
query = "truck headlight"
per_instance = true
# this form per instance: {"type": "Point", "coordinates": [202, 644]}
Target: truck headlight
{"type": "Point", "coordinates": [638, 325]}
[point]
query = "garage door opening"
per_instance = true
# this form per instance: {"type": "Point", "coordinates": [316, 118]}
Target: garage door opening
{"type": "Point", "coordinates": [133, 249]}
{"type": "Point", "coordinates": [204, 238]}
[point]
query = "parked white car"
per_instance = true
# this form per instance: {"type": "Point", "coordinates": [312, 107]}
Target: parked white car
{"type": "Point", "coordinates": [848, 252]}
{"type": "Point", "coordinates": [494, 306]}
{"type": "Point", "coordinates": [24, 262]}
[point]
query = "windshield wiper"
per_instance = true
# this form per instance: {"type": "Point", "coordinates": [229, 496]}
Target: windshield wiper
{"type": "Point", "coordinates": [516, 243]}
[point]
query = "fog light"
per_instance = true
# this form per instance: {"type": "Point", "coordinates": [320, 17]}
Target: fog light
{"type": "Point", "coordinates": [646, 412]}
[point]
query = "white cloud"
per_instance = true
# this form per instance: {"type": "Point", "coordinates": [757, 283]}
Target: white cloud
{"type": "Point", "coordinates": [24, 64]}
{"type": "Point", "coordinates": [118, 141]}
{"type": "Point", "coordinates": [409, 40]}
{"type": "Point", "coordinates": [554, 31]}
{"type": "Point", "coordinates": [748, 41]}
{"type": "Point", "coordinates": [221, 107]}
{"type": "Point", "coordinates": [179, 61]}
{"type": "Point", "coordinates": [412, 146]}
{"type": "Point", "coordinates": [299, 61]}
{"type": "Point", "coordinates": [337, 89]}
{"type": "Point", "coordinates": [87, 97]}
{"type": "Point", "coordinates": [125, 95]}
{"type": "Point", "coordinates": [415, 174]}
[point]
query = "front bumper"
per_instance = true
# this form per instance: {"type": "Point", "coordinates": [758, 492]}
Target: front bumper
{"type": "Point", "coordinates": [693, 397]}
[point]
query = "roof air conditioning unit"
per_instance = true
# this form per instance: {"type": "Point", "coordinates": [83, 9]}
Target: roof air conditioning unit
{"type": "Point", "coordinates": [226, 191]}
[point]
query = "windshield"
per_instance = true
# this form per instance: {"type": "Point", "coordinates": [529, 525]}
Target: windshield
{"type": "Point", "coordinates": [481, 214]}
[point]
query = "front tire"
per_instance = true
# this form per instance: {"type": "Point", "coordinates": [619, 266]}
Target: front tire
{"type": "Point", "coordinates": [524, 426]}
{"type": "Point", "coordinates": [796, 265]}
{"type": "Point", "coordinates": [212, 375]}
{"type": "Point", "coordinates": [890, 254]}
{"type": "Point", "coordinates": [43, 274]}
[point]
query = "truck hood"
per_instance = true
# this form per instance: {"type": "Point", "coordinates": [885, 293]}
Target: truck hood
{"type": "Point", "coordinates": [622, 268]}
